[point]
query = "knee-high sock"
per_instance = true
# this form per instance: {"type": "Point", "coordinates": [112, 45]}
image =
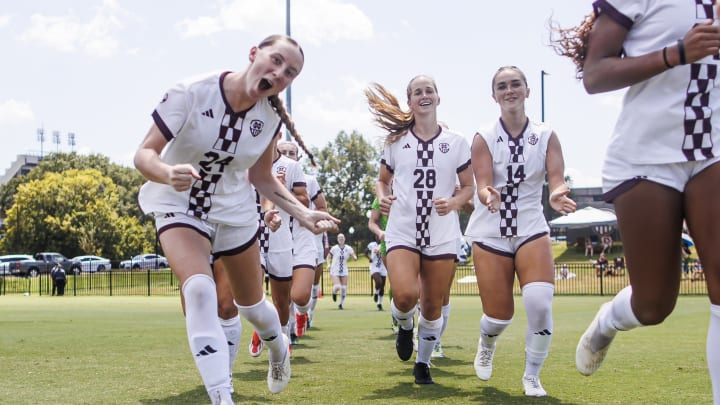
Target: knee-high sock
{"type": "Point", "coordinates": [537, 298]}
{"type": "Point", "coordinates": [233, 329]}
{"type": "Point", "coordinates": [343, 294]}
{"type": "Point", "coordinates": [206, 338]}
{"type": "Point", "coordinates": [302, 309]}
{"type": "Point", "coordinates": [336, 288]}
{"type": "Point", "coordinates": [619, 317]}
{"type": "Point", "coordinates": [264, 318]}
{"type": "Point", "coordinates": [713, 351]}
{"type": "Point", "coordinates": [445, 318]}
{"type": "Point", "coordinates": [291, 318]}
{"type": "Point", "coordinates": [491, 329]}
{"type": "Point", "coordinates": [314, 296]}
{"type": "Point", "coordinates": [405, 319]}
{"type": "Point", "coordinates": [428, 334]}
{"type": "Point", "coordinates": [381, 294]}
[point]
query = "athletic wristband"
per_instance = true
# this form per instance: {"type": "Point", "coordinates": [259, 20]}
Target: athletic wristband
{"type": "Point", "coordinates": [665, 59]}
{"type": "Point", "coordinates": [681, 51]}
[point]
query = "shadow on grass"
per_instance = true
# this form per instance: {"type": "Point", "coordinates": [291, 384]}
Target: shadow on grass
{"type": "Point", "coordinates": [492, 395]}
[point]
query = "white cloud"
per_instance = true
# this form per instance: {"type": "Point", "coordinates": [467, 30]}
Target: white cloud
{"type": "Point", "coordinates": [314, 21]}
{"type": "Point", "coordinates": [68, 33]}
{"type": "Point", "coordinates": [15, 113]}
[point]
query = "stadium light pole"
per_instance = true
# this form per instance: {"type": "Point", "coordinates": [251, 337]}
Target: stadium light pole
{"type": "Point", "coordinates": [288, 91]}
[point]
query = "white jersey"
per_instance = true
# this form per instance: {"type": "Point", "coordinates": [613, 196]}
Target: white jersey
{"type": "Point", "coordinates": [340, 257]}
{"type": "Point", "coordinates": [282, 239]}
{"type": "Point", "coordinates": [314, 191]}
{"type": "Point", "coordinates": [519, 175]}
{"type": "Point", "coordinates": [221, 144]}
{"type": "Point", "coordinates": [673, 116]}
{"type": "Point", "coordinates": [423, 171]}
{"type": "Point", "coordinates": [376, 263]}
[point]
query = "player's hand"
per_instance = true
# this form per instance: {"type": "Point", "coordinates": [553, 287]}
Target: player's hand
{"type": "Point", "coordinates": [442, 205]}
{"type": "Point", "coordinates": [493, 199]}
{"type": "Point", "coordinates": [319, 222]}
{"type": "Point", "coordinates": [385, 204]}
{"type": "Point", "coordinates": [560, 201]}
{"type": "Point", "coordinates": [273, 220]}
{"type": "Point", "coordinates": [182, 176]}
{"type": "Point", "coordinates": [281, 178]}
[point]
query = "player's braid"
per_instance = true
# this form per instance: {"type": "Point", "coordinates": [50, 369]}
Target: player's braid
{"type": "Point", "coordinates": [572, 42]}
{"type": "Point", "coordinates": [387, 113]}
{"type": "Point", "coordinates": [290, 125]}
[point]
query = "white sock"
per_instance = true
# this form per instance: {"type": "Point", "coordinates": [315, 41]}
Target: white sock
{"type": "Point", "coordinates": [314, 296]}
{"type": "Point", "coordinates": [428, 334]}
{"type": "Point", "coordinates": [291, 319]}
{"type": "Point", "coordinates": [445, 317]}
{"type": "Point", "coordinates": [264, 318]}
{"type": "Point", "coordinates": [537, 298]}
{"type": "Point", "coordinates": [713, 351]}
{"type": "Point", "coordinates": [302, 309]}
{"type": "Point", "coordinates": [344, 293]}
{"type": "Point", "coordinates": [381, 294]}
{"type": "Point", "coordinates": [207, 341]}
{"type": "Point", "coordinates": [336, 288]}
{"type": "Point", "coordinates": [491, 329]}
{"type": "Point", "coordinates": [404, 319]}
{"type": "Point", "coordinates": [233, 329]}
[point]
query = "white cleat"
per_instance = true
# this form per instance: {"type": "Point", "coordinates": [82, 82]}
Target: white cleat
{"type": "Point", "coordinates": [438, 351]}
{"type": "Point", "coordinates": [587, 361]}
{"type": "Point", "coordinates": [532, 386]}
{"type": "Point", "coordinates": [484, 361]}
{"type": "Point", "coordinates": [279, 372]}
{"type": "Point", "coordinates": [221, 397]}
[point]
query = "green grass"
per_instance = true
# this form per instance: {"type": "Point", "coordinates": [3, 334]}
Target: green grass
{"type": "Point", "coordinates": [133, 350]}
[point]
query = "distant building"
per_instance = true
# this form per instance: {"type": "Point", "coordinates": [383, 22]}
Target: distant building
{"type": "Point", "coordinates": [586, 197]}
{"type": "Point", "coordinates": [20, 167]}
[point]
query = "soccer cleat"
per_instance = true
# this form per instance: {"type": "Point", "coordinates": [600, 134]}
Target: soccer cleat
{"type": "Point", "coordinates": [256, 345]}
{"type": "Point", "coordinates": [300, 324]}
{"type": "Point", "coordinates": [334, 295]}
{"type": "Point", "coordinates": [375, 297]}
{"type": "Point", "coordinates": [279, 372]}
{"type": "Point", "coordinates": [293, 339]}
{"type": "Point", "coordinates": [437, 351]}
{"type": "Point", "coordinates": [587, 361]}
{"type": "Point", "coordinates": [484, 361]}
{"type": "Point", "coordinates": [404, 343]}
{"type": "Point", "coordinates": [311, 315]}
{"type": "Point", "coordinates": [421, 371]}
{"type": "Point", "coordinates": [394, 326]}
{"type": "Point", "coordinates": [340, 306]}
{"type": "Point", "coordinates": [380, 308]}
{"type": "Point", "coordinates": [532, 386]}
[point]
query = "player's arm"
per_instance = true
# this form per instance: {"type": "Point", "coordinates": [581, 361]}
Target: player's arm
{"type": "Point", "coordinates": [147, 161]}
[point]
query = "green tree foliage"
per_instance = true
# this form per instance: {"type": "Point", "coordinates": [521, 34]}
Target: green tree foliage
{"type": "Point", "coordinates": [348, 168]}
{"type": "Point", "coordinates": [74, 212]}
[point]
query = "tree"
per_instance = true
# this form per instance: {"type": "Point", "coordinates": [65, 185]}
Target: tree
{"type": "Point", "coordinates": [73, 212]}
{"type": "Point", "coordinates": [348, 168]}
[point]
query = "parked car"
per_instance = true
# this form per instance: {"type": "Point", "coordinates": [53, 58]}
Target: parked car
{"type": "Point", "coordinates": [91, 264]}
{"type": "Point", "coordinates": [5, 262]}
{"type": "Point", "coordinates": [145, 261]}
{"type": "Point", "coordinates": [42, 263]}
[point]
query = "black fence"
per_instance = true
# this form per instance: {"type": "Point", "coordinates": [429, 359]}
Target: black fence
{"type": "Point", "coordinates": [571, 279]}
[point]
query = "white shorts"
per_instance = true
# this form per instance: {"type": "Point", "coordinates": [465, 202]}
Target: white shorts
{"type": "Point", "coordinates": [619, 175]}
{"type": "Point", "coordinates": [506, 246]}
{"type": "Point", "coordinates": [304, 251]}
{"type": "Point", "coordinates": [319, 250]}
{"type": "Point", "coordinates": [225, 240]}
{"type": "Point", "coordinates": [447, 250]}
{"type": "Point", "coordinates": [378, 269]}
{"type": "Point", "coordinates": [278, 265]}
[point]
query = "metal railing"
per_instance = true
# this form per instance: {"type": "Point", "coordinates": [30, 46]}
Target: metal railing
{"type": "Point", "coordinates": [580, 279]}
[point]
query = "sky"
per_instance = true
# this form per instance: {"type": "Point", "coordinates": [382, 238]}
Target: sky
{"type": "Point", "coordinates": [98, 68]}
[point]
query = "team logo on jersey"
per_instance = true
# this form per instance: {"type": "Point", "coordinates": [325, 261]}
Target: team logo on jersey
{"type": "Point", "coordinates": [533, 139]}
{"type": "Point", "coordinates": [256, 127]}
{"type": "Point", "coordinates": [444, 147]}
{"type": "Point", "coordinates": [281, 169]}
{"type": "Point", "coordinates": [164, 99]}
{"type": "Point", "coordinates": [407, 146]}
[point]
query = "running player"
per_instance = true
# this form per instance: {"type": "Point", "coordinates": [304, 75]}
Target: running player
{"type": "Point", "coordinates": [210, 142]}
{"type": "Point", "coordinates": [661, 166]}
{"type": "Point", "coordinates": [339, 256]}
{"type": "Point", "coordinates": [425, 161]}
{"type": "Point", "coordinates": [508, 228]}
{"type": "Point", "coordinates": [378, 273]}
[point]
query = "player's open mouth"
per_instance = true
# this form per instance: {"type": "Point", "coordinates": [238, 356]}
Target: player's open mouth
{"type": "Point", "coordinates": [265, 84]}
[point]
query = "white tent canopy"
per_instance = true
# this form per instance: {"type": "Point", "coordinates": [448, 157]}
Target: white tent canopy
{"type": "Point", "coordinates": [584, 218]}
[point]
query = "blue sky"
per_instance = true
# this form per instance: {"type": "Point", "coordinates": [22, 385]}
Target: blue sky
{"type": "Point", "coordinates": [97, 68]}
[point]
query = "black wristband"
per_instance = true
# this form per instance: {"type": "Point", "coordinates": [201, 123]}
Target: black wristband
{"type": "Point", "coordinates": [681, 51]}
{"type": "Point", "coordinates": [665, 59]}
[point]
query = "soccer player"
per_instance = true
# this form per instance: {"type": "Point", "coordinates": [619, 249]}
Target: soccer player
{"type": "Point", "coordinates": [661, 165]}
{"type": "Point", "coordinates": [424, 161]}
{"type": "Point", "coordinates": [508, 228]}
{"type": "Point", "coordinates": [210, 143]}
{"type": "Point", "coordinates": [339, 256]}
{"type": "Point", "coordinates": [378, 273]}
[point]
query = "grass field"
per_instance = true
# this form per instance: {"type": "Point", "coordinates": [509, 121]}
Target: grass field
{"type": "Point", "coordinates": [133, 350]}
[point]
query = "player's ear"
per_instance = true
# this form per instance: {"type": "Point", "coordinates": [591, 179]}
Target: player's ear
{"type": "Point", "coordinates": [253, 53]}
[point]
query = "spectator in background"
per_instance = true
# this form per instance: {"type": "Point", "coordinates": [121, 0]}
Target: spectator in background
{"type": "Point", "coordinates": [59, 278]}
{"type": "Point", "coordinates": [588, 247]}
{"type": "Point", "coordinates": [607, 243]}
{"type": "Point", "coordinates": [601, 266]}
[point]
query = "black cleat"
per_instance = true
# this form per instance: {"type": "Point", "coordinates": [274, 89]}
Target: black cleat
{"type": "Point", "coordinates": [340, 306]}
{"type": "Point", "coordinates": [375, 296]}
{"type": "Point", "coordinates": [334, 297]}
{"type": "Point", "coordinates": [380, 308]}
{"type": "Point", "coordinates": [404, 343]}
{"type": "Point", "coordinates": [421, 371]}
